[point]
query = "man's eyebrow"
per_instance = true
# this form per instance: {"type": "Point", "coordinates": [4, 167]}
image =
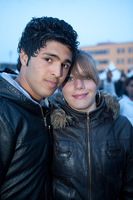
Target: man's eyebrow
{"type": "Point", "coordinates": [57, 57]}
{"type": "Point", "coordinates": [68, 61]}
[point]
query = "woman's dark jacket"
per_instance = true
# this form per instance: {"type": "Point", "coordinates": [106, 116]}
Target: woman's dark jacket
{"type": "Point", "coordinates": [24, 146]}
{"type": "Point", "coordinates": [93, 154]}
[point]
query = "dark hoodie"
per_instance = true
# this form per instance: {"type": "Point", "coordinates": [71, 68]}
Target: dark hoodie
{"type": "Point", "coordinates": [24, 146]}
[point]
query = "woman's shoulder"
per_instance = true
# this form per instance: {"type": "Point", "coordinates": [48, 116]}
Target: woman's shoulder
{"type": "Point", "coordinates": [123, 121]}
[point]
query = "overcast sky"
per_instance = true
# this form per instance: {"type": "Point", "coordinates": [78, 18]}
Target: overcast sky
{"type": "Point", "coordinates": [95, 21]}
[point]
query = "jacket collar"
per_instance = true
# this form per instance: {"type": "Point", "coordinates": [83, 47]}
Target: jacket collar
{"type": "Point", "coordinates": [63, 114]}
{"type": "Point", "coordinates": [8, 91]}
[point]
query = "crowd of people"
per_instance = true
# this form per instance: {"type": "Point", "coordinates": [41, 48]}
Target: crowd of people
{"type": "Point", "coordinates": [78, 147]}
{"type": "Point", "coordinates": [122, 89]}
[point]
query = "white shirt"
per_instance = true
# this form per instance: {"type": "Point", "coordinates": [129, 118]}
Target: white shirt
{"type": "Point", "coordinates": [126, 107]}
{"type": "Point", "coordinates": [109, 87]}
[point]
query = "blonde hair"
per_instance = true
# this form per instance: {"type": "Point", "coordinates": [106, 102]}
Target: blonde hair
{"type": "Point", "coordinates": [87, 65]}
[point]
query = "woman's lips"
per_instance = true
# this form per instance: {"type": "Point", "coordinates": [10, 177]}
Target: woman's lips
{"type": "Point", "coordinates": [80, 96]}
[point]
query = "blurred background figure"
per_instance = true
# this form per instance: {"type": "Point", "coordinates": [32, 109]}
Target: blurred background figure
{"type": "Point", "coordinates": [56, 98]}
{"type": "Point", "coordinates": [12, 73]}
{"type": "Point", "coordinates": [108, 78]}
{"type": "Point", "coordinates": [126, 102]}
{"type": "Point", "coordinates": [120, 85]}
{"type": "Point", "coordinates": [108, 84]}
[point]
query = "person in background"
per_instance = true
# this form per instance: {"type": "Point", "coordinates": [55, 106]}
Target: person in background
{"type": "Point", "coordinates": [109, 85]}
{"type": "Point", "coordinates": [120, 85]}
{"type": "Point", "coordinates": [126, 102]}
{"type": "Point", "coordinates": [93, 144]}
{"type": "Point", "coordinates": [46, 51]}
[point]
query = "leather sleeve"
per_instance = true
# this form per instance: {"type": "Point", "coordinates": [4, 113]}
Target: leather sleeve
{"type": "Point", "coordinates": [7, 146]}
{"type": "Point", "coordinates": [128, 178]}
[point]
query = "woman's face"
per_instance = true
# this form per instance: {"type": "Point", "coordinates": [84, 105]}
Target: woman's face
{"type": "Point", "coordinates": [80, 93]}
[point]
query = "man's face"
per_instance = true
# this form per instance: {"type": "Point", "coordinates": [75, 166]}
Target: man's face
{"type": "Point", "coordinates": [129, 89]}
{"type": "Point", "coordinates": [45, 72]}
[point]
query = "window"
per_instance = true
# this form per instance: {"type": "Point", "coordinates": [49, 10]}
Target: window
{"type": "Point", "coordinates": [120, 61]}
{"type": "Point", "coordinates": [121, 50]}
{"type": "Point", "coordinates": [102, 61]}
{"type": "Point", "coordinates": [98, 52]}
{"type": "Point", "coordinates": [118, 50]}
{"type": "Point", "coordinates": [130, 49]}
{"type": "Point", "coordinates": [130, 60]}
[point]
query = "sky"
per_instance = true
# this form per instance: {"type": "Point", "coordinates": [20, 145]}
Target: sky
{"type": "Point", "coordinates": [95, 21]}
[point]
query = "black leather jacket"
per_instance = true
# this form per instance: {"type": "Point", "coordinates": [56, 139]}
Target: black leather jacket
{"type": "Point", "coordinates": [24, 146]}
{"type": "Point", "coordinates": [93, 154]}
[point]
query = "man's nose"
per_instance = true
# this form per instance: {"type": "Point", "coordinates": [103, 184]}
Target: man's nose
{"type": "Point", "coordinates": [79, 84]}
{"type": "Point", "coordinates": [57, 70]}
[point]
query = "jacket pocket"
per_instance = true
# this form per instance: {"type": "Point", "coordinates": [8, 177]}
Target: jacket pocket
{"type": "Point", "coordinates": [113, 158]}
{"type": "Point", "coordinates": [64, 158]}
{"type": "Point", "coordinates": [113, 162]}
{"type": "Point", "coordinates": [61, 191]}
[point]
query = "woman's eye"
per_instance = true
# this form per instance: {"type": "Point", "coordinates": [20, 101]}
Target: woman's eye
{"type": "Point", "coordinates": [48, 60]}
{"type": "Point", "coordinates": [86, 78]}
{"type": "Point", "coordinates": [69, 79]}
{"type": "Point", "coordinates": [65, 66]}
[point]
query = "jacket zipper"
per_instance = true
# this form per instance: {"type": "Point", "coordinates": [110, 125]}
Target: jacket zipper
{"type": "Point", "coordinates": [89, 157]}
{"type": "Point", "coordinates": [44, 118]}
{"type": "Point", "coordinates": [45, 123]}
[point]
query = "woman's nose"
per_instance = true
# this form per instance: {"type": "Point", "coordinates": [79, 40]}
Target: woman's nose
{"type": "Point", "coordinates": [79, 84]}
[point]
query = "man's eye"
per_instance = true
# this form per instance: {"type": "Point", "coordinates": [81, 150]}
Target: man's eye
{"type": "Point", "coordinates": [65, 66]}
{"type": "Point", "coordinates": [69, 79]}
{"type": "Point", "coordinates": [48, 59]}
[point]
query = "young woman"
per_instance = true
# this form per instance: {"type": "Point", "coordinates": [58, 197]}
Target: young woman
{"type": "Point", "coordinates": [93, 144]}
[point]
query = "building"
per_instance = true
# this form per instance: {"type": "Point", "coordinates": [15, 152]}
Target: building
{"type": "Point", "coordinates": [121, 54]}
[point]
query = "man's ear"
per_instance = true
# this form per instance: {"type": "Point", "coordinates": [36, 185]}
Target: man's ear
{"type": "Point", "coordinates": [23, 58]}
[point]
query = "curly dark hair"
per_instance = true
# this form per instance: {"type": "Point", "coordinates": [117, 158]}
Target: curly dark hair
{"type": "Point", "coordinates": [39, 30]}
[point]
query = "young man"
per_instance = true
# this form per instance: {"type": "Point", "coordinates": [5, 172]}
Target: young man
{"type": "Point", "coordinates": [46, 51]}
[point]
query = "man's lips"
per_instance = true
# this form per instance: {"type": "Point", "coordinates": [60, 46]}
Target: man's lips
{"type": "Point", "coordinates": [80, 96]}
{"type": "Point", "coordinates": [52, 84]}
